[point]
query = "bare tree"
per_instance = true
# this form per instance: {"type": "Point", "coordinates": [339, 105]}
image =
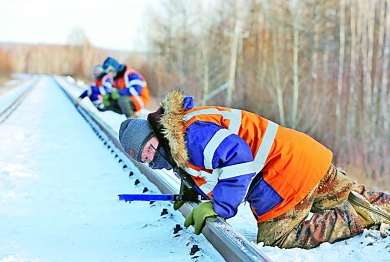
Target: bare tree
{"type": "Point", "coordinates": [340, 76]}
{"type": "Point", "coordinates": [295, 64]}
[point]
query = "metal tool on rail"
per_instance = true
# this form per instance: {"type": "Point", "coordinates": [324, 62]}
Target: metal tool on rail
{"type": "Point", "coordinates": [153, 197]}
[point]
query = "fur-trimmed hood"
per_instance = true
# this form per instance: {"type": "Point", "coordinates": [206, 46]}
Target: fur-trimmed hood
{"type": "Point", "coordinates": [167, 122]}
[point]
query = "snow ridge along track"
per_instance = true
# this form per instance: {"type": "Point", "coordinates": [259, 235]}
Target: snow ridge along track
{"type": "Point", "coordinates": [229, 243]}
{"type": "Point", "coordinates": [16, 98]}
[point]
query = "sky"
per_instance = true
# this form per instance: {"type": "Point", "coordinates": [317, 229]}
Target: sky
{"type": "Point", "coordinates": [58, 188]}
{"type": "Point", "coordinates": [114, 24]}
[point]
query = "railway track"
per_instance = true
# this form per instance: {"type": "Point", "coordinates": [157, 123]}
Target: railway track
{"type": "Point", "coordinates": [228, 242]}
{"type": "Point", "coordinates": [12, 101]}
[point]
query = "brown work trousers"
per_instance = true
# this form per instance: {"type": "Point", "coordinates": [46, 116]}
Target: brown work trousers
{"type": "Point", "coordinates": [324, 215]}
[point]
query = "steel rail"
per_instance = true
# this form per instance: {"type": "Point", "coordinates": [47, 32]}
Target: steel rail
{"type": "Point", "coordinates": [228, 242]}
{"type": "Point", "coordinates": [9, 109]}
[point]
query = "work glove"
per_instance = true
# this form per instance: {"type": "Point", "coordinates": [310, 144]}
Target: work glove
{"type": "Point", "coordinates": [106, 100]}
{"type": "Point", "coordinates": [197, 217]}
{"type": "Point", "coordinates": [188, 195]}
{"type": "Point", "coordinates": [115, 94]}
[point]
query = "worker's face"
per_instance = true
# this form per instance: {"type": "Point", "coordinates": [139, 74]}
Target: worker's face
{"type": "Point", "coordinates": [149, 150]}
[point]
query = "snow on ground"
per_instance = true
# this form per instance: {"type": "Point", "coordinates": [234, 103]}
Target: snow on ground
{"type": "Point", "coordinates": [58, 198]}
{"type": "Point", "coordinates": [58, 194]}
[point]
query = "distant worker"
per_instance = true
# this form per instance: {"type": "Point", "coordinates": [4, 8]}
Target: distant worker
{"type": "Point", "coordinates": [101, 86]}
{"type": "Point", "coordinates": [130, 91]}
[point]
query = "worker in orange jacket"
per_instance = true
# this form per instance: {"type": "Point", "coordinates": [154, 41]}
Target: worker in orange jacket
{"type": "Point", "coordinates": [130, 91]}
{"type": "Point", "coordinates": [233, 155]}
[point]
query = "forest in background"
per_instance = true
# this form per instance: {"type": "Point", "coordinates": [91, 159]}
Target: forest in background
{"type": "Point", "coordinates": [320, 67]}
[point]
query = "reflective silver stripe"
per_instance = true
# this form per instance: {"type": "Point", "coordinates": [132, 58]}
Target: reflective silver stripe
{"type": "Point", "coordinates": [235, 121]}
{"type": "Point", "coordinates": [107, 82]}
{"type": "Point", "coordinates": [132, 90]}
{"type": "Point", "coordinates": [136, 82]}
{"type": "Point", "coordinates": [212, 145]}
{"type": "Point", "coordinates": [237, 170]}
{"type": "Point", "coordinates": [207, 188]}
{"type": "Point", "coordinates": [102, 90]}
{"type": "Point", "coordinates": [266, 145]}
{"type": "Point", "coordinates": [192, 171]}
{"type": "Point", "coordinates": [209, 111]}
{"type": "Point", "coordinates": [234, 116]}
{"type": "Point", "coordinates": [133, 81]}
{"type": "Point", "coordinates": [134, 93]}
{"type": "Point", "coordinates": [211, 181]}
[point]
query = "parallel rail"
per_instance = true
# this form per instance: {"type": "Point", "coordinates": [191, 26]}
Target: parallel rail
{"type": "Point", "coordinates": [229, 243]}
{"type": "Point", "coordinates": [25, 89]}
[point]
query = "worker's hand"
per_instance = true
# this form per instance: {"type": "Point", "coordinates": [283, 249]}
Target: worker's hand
{"type": "Point", "coordinates": [106, 100]}
{"type": "Point", "coordinates": [198, 216]}
{"type": "Point", "coordinates": [78, 101]}
{"type": "Point", "coordinates": [189, 194]}
{"type": "Point", "coordinates": [115, 94]}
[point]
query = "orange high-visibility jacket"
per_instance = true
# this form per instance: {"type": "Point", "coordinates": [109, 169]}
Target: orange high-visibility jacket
{"type": "Point", "coordinates": [237, 155]}
{"type": "Point", "coordinates": [134, 85]}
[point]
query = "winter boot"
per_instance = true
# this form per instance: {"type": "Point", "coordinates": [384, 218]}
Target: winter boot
{"type": "Point", "coordinates": [369, 214]}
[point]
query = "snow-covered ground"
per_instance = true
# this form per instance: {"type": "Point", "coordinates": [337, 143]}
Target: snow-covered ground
{"type": "Point", "coordinates": [58, 194]}
{"type": "Point", "coordinates": [58, 188]}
